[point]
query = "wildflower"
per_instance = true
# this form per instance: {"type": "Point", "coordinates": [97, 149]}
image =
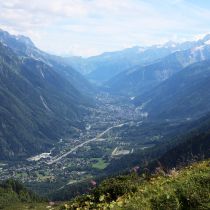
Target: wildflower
{"type": "Point", "coordinates": [135, 169]}
{"type": "Point", "coordinates": [93, 183]}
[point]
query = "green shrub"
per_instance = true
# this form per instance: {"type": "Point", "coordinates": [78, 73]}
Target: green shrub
{"type": "Point", "coordinates": [187, 189]}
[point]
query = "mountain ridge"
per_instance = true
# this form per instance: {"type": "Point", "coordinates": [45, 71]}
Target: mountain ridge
{"type": "Point", "coordinates": [136, 80]}
{"type": "Point", "coordinates": [188, 90]}
{"type": "Point", "coordinates": [32, 93]}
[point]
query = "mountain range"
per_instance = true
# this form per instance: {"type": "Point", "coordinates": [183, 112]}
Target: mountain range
{"type": "Point", "coordinates": [160, 98]}
{"type": "Point", "coordinates": [136, 80]}
{"type": "Point", "coordinates": [24, 47]}
{"type": "Point", "coordinates": [38, 84]}
{"type": "Point", "coordinates": [39, 104]}
{"type": "Point", "coordinates": [103, 67]}
{"type": "Point", "coordinates": [184, 95]}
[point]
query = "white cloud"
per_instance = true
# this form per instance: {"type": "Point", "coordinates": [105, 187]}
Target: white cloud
{"type": "Point", "coordinates": [92, 26]}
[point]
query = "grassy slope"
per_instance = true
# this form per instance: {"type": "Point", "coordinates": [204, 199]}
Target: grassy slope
{"type": "Point", "coordinates": [185, 189]}
{"type": "Point", "coordinates": [188, 188]}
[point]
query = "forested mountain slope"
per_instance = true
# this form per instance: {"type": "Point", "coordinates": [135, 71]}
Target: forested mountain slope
{"type": "Point", "coordinates": [184, 95]}
{"type": "Point", "coordinates": [23, 47]}
{"type": "Point", "coordinates": [37, 107]}
{"type": "Point", "coordinates": [137, 80]}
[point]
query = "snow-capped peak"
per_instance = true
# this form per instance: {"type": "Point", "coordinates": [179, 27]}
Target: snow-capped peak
{"type": "Point", "coordinates": [170, 44]}
{"type": "Point", "coordinates": [207, 42]}
{"type": "Point", "coordinates": [206, 38]}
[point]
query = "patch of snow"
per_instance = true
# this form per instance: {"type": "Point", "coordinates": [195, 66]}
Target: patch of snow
{"type": "Point", "coordinates": [34, 57]}
{"type": "Point", "coordinates": [173, 45]}
{"type": "Point", "coordinates": [42, 73]}
{"type": "Point", "coordinates": [44, 103]}
{"type": "Point", "coordinates": [207, 42]}
{"type": "Point", "coordinates": [198, 48]}
{"type": "Point", "coordinates": [3, 43]}
{"type": "Point", "coordinates": [201, 36]}
{"type": "Point", "coordinates": [195, 51]}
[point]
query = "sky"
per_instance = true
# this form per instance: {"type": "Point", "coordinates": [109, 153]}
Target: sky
{"type": "Point", "coordinates": [91, 27]}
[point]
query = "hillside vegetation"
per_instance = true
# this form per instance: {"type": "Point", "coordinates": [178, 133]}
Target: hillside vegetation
{"type": "Point", "coordinates": [38, 106]}
{"type": "Point", "coordinates": [188, 188]}
{"type": "Point", "coordinates": [14, 195]}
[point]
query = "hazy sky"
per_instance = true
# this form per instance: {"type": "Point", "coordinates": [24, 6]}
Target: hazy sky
{"type": "Point", "coordinates": [89, 27]}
